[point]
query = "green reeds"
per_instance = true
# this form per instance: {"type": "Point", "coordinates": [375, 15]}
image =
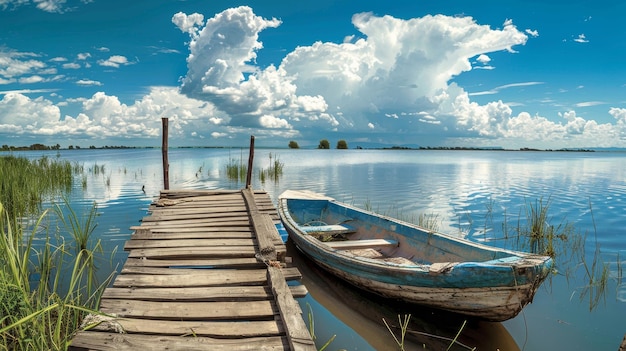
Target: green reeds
{"type": "Point", "coordinates": [312, 330]}
{"type": "Point", "coordinates": [47, 272]}
{"type": "Point", "coordinates": [404, 324]}
{"type": "Point", "coordinates": [236, 170]}
{"type": "Point", "coordinates": [45, 290]}
{"type": "Point", "coordinates": [25, 183]}
{"type": "Point", "coordinates": [274, 171]}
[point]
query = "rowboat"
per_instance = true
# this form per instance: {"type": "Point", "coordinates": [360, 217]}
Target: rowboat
{"type": "Point", "coordinates": [403, 261]}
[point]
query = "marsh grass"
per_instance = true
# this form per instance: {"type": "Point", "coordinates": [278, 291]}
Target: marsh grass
{"type": "Point", "coordinates": [25, 184]}
{"type": "Point", "coordinates": [45, 290]}
{"type": "Point", "coordinates": [274, 171]}
{"type": "Point", "coordinates": [235, 170]}
{"type": "Point", "coordinates": [536, 233]}
{"type": "Point", "coordinates": [596, 273]}
{"type": "Point", "coordinates": [312, 329]}
{"type": "Point", "coordinates": [47, 258]}
{"type": "Point", "coordinates": [403, 327]}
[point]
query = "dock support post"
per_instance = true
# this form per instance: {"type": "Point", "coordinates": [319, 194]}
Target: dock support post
{"type": "Point", "coordinates": [166, 165]}
{"type": "Point", "coordinates": [250, 161]}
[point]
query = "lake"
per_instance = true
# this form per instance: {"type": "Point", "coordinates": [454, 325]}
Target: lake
{"type": "Point", "coordinates": [481, 195]}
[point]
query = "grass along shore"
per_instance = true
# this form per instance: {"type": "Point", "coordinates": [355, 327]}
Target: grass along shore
{"type": "Point", "coordinates": [47, 258]}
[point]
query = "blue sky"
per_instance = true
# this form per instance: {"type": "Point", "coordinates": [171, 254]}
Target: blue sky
{"type": "Point", "coordinates": [545, 74]}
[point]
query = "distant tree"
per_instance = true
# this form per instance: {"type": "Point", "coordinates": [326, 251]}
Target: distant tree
{"type": "Point", "coordinates": [71, 147]}
{"type": "Point", "coordinates": [39, 147]}
{"type": "Point", "coordinates": [293, 145]}
{"type": "Point", "coordinates": [77, 147]}
{"type": "Point", "coordinates": [92, 147]}
{"type": "Point", "coordinates": [341, 144]}
{"type": "Point", "coordinates": [324, 144]}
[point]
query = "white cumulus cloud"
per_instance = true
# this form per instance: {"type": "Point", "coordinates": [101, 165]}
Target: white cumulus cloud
{"type": "Point", "coordinates": [114, 61]}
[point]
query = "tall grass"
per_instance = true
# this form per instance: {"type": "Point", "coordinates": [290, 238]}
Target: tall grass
{"type": "Point", "coordinates": [274, 171]}
{"type": "Point", "coordinates": [25, 183]}
{"type": "Point", "coordinates": [47, 258]}
{"type": "Point", "coordinates": [45, 289]}
{"type": "Point", "coordinates": [236, 170]}
{"type": "Point", "coordinates": [535, 232]}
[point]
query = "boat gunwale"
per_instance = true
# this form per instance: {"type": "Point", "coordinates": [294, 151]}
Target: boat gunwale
{"type": "Point", "coordinates": [523, 259]}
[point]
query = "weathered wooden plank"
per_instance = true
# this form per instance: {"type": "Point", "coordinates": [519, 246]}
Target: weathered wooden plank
{"type": "Point", "coordinates": [291, 315]}
{"type": "Point", "coordinates": [216, 293]}
{"type": "Point", "coordinates": [194, 212]}
{"type": "Point", "coordinates": [250, 262]}
{"type": "Point", "coordinates": [205, 229]}
{"type": "Point", "coordinates": [207, 218]}
{"type": "Point", "coordinates": [145, 244]}
{"type": "Point", "coordinates": [199, 223]}
{"type": "Point", "coordinates": [221, 329]}
{"type": "Point", "coordinates": [262, 225]}
{"type": "Point", "coordinates": [289, 273]}
{"type": "Point", "coordinates": [198, 206]}
{"type": "Point", "coordinates": [230, 310]}
{"type": "Point", "coordinates": [89, 340]}
{"type": "Point", "coordinates": [189, 280]}
{"type": "Point", "coordinates": [195, 252]}
{"type": "Point", "coordinates": [180, 234]}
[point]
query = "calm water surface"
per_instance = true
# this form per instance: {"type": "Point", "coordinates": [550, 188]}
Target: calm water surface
{"type": "Point", "coordinates": [472, 193]}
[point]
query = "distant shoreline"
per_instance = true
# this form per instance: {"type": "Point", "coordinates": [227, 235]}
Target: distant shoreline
{"type": "Point", "coordinates": [41, 147]}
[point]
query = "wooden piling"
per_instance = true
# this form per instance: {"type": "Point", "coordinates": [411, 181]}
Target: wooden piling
{"type": "Point", "coordinates": [164, 146]}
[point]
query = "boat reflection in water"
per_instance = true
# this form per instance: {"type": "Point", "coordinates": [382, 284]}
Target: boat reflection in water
{"type": "Point", "coordinates": [352, 308]}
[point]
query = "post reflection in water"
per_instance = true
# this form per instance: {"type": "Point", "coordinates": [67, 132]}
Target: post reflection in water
{"type": "Point", "coordinates": [363, 312]}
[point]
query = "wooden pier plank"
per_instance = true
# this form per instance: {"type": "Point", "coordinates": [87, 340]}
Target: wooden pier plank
{"type": "Point", "coordinates": [133, 342]}
{"type": "Point", "coordinates": [144, 244]}
{"type": "Point", "coordinates": [250, 262]}
{"type": "Point", "coordinates": [220, 329]}
{"type": "Point", "coordinates": [195, 252]}
{"type": "Point", "coordinates": [214, 293]}
{"type": "Point", "coordinates": [190, 310]}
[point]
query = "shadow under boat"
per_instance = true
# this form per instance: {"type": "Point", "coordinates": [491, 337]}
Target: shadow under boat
{"type": "Point", "coordinates": [428, 329]}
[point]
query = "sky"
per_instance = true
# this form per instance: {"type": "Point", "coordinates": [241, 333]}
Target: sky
{"type": "Point", "coordinates": [512, 74]}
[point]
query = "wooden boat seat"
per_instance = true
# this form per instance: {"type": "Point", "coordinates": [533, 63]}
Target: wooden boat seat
{"type": "Point", "coordinates": [330, 229]}
{"type": "Point", "coordinates": [360, 244]}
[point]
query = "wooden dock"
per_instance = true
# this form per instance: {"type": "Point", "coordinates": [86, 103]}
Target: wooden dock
{"type": "Point", "coordinates": [205, 271]}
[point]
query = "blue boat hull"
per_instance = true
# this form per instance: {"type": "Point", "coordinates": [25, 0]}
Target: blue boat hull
{"type": "Point", "coordinates": [402, 261]}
